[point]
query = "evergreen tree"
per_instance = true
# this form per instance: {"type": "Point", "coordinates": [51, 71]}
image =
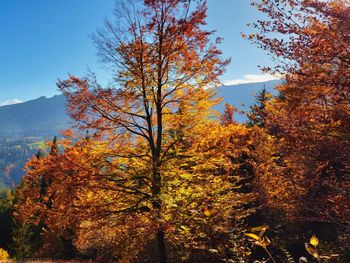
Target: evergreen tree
{"type": "Point", "coordinates": [26, 237]}
{"type": "Point", "coordinates": [258, 113]}
{"type": "Point", "coordinates": [6, 220]}
{"type": "Point", "coordinates": [54, 147]}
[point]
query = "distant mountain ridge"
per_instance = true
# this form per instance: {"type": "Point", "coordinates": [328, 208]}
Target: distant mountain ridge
{"type": "Point", "coordinates": [39, 117]}
{"type": "Point", "coordinates": [25, 126]}
{"type": "Point", "coordinates": [242, 96]}
{"type": "Point", "coordinates": [45, 117]}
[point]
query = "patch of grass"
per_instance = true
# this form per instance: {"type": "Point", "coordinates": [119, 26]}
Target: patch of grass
{"type": "Point", "coordinates": [37, 145]}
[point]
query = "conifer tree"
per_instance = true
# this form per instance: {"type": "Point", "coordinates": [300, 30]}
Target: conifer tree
{"type": "Point", "coordinates": [258, 113]}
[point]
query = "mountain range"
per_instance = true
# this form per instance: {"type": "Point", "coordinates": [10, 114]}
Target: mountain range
{"type": "Point", "coordinates": [45, 117]}
{"type": "Point", "coordinates": [25, 126]}
{"type": "Point", "coordinates": [39, 117]}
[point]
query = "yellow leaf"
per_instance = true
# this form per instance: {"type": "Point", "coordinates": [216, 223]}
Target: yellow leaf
{"type": "Point", "coordinates": [251, 235]}
{"type": "Point", "coordinates": [314, 241]}
{"type": "Point", "coordinates": [207, 212]}
{"type": "Point", "coordinates": [259, 228]}
{"type": "Point", "coordinates": [185, 228]}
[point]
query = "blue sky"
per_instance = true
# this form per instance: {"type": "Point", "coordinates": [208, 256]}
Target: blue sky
{"type": "Point", "coordinates": [41, 41]}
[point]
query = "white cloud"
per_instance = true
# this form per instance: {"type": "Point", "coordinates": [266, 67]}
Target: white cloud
{"type": "Point", "coordinates": [250, 78]}
{"type": "Point", "coordinates": [10, 102]}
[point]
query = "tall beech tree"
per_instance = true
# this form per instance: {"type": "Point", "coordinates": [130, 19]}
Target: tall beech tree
{"type": "Point", "coordinates": [101, 206]}
{"type": "Point", "coordinates": [164, 67]}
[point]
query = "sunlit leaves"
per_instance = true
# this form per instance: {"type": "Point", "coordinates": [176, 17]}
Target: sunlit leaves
{"type": "Point", "coordinates": [314, 241]}
{"type": "Point", "coordinates": [253, 236]}
{"type": "Point", "coordinates": [309, 121]}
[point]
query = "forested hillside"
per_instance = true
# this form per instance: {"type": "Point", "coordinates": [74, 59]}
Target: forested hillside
{"type": "Point", "coordinates": [24, 128]}
{"type": "Point", "coordinates": [14, 153]}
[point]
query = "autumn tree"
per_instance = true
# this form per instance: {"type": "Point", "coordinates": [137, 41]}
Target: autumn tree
{"type": "Point", "coordinates": [34, 206]}
{"type": "Point", "coordinates": [205, 202]}
{"type": "Point", "coordinates": [309, 41]}
{"type": "Point", "coordinates": [164, 65]}
{"type": "Point", "coordinates": [228, 116]}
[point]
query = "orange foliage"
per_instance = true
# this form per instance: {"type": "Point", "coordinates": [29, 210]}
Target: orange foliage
{"type": "Point", "coordinates": [308, 124]}
{"type": "Point", "coordinates": [158, 167]}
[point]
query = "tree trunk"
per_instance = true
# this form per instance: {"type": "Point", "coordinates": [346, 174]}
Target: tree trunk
{"type": "Point", "coordinates": [161, 246]}
{"type": "Point", "coordinates": [157, 205]}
